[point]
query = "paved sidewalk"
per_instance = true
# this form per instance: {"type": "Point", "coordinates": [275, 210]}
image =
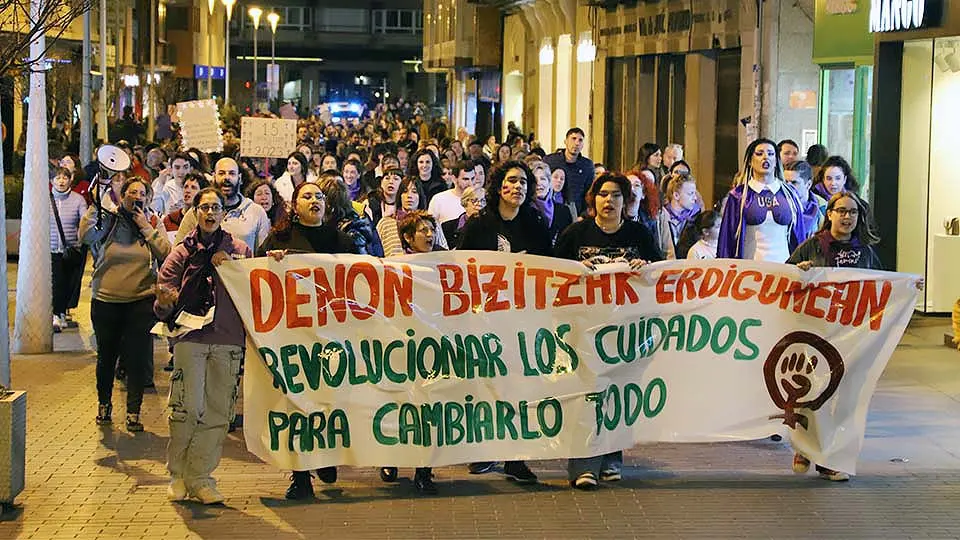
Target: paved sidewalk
{"type": "Point", "coordinates": [89, 482]}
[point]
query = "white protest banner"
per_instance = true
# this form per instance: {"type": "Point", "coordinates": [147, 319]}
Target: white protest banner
{"type": "Point", "coordinates": [267, 137]}
{"type": "Point", "coordinates": [200, 125]}
{"type": "Point", "coordinates": [456, 357]}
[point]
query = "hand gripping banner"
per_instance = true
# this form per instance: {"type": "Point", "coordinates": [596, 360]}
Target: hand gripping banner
{"type": "Point", "coordinates": [461, 356]}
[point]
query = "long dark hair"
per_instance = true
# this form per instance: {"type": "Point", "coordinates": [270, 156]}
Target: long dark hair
{"type": "Point", "coordinates": [304, 170]}
{"type": "Point", "coordinates": [278, 203]}
{"type": "Point", "coordinates": [402, 188]}
{"type": "Point", "coordinates": [864, 230]}
{"type": "Point", "coordinates": [647, 150]}
{"type": "Point", "coordinates": [747, 170]}
{"type": "Point", "coordinates": [435, 169]}
{"type": "Point", "coordinates": [284, 226]}
{"type": "Point", "coordinates": [499, 174]}
{"type": "Point", "coordinates": [851, 183]}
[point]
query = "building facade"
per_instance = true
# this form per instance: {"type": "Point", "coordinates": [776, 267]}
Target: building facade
{"type": "Point", "coordinates": [916, 106]}
{"type": "Point", "coordinates": [336, 50]}
{"type": "Point", "coordinates": [629, 72]}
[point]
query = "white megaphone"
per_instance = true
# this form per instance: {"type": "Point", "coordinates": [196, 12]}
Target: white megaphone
{"type": "Point", "coordinates": [112, 159]}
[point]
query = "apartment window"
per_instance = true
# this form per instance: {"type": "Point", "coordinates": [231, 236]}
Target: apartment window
{"type": "Point", "coordinates": [291, 18]}
{"type": "Point", "coordinates": [349, 20]}
{"type": "Point", "coordinates": [397, 21]}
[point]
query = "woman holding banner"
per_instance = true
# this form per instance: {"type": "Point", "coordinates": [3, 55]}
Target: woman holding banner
{"type": "Point", "coordinates": [509, 223]}
{"type": "Point", "coordinates": [606, 238]}
{"type": "Point", "coordinates": [416, 230]}
{"type": "Point", "coordinates": [206, 362]}
{"type": "Point", "coordinates": [304, 230]}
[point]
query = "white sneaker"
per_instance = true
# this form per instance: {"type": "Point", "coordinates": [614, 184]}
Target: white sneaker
{"type": "Point", "coordinates": [587, 480]}
{"type": "Point", "coordinates": [208, 495]}
{"type": "Point", "coordinates": [57, 325]}
{"type": "Point", "coordinates": [177, 490]}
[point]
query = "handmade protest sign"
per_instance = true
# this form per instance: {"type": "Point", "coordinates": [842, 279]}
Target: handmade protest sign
{"type": "Point", "coordinates": [267, 137]}
{"type": "Point", "coordinates": [456, 357]}
{"type": "Point", "coordinates": [200, 125]}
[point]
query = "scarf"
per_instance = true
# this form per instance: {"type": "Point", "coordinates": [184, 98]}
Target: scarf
{"type": "Point", "coordinates": [546, 206]}
{"type": "Point", "coordinates": [354, 190]}
{"type": "Point", "coordinates": [679, 219]}
{"type": "Point", "coordinates": [197, 290]}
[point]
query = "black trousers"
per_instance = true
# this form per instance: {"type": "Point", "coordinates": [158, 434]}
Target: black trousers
{"type": "Point", "coordinates": [123, 331]}
{"type": "Point", "coordinates": [65, 277]}
{"type": "Point", "coordinates": [76, 279]}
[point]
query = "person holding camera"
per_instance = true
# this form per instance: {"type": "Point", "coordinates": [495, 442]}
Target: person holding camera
{"type": "Point", "coordinates": [127, 249]}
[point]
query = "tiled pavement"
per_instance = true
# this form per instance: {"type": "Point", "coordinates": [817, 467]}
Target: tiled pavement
{"type": "Point", "coordinates": [88, 482]}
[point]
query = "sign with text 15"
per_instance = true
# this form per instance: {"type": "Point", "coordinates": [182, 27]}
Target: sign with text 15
{"type": "Point", "coordinates": [267, 137]}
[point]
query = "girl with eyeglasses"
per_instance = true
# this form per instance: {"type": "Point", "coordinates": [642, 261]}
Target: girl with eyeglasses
{"type": "Point", "coordinates": [206, 362]}
{"type": "Point", "coordinates": [845, 239]}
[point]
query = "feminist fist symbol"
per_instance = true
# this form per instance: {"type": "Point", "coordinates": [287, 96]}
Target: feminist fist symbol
{"type": "Point", "coordinates": [794, 375]}
{"type": "Point", "coordinates": [791, 383]}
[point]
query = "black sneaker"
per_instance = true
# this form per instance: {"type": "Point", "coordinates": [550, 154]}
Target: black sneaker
{"type": "Point", "coordinates": [169, 366]}
{"type": "Point", "coordinates": [300, 486]}
{"type": "Point", "coordinates": [133, 423]}
{"type": "Point", "coordinates": [327, 475]}
{"type": "Point", "coordinates": [481, 467]}
{"type": "Point", "coordinates": [104, 414]}
{"type": "Point", "coordinates": [388, 474]}
{"type": "Point", "coordinates": [423, 481]}
{"type": "Point", "coordinates": [519, 472]}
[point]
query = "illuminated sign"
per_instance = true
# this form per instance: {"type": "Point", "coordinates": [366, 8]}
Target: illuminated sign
{"type": "Point", "coordinates": [896, 15]}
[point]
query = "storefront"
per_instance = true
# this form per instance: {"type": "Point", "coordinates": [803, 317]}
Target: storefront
{"type": "Point", "coordinates": [672, 75]}
{"type": "Point", "coordinates": [915, 120]}
{"type": "Point", "coordinates": [843, 48]}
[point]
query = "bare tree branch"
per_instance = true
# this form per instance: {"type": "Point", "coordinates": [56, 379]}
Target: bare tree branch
{"type": "Point", "coordinates": [20, 29]}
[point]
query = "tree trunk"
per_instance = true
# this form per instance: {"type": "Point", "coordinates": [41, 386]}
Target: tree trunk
{"type": "Point", "coordinates": [33, 327]}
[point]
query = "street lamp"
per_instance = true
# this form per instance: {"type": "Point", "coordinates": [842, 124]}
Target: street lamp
{"type": "Point", "coordinates": [273, 18]}
{"type": "Point", "coordinates": [210, 4]}
{"type": "Point", "coordinates": [226, 60]}
{"type": "Point", "coordinates": [255, 13]}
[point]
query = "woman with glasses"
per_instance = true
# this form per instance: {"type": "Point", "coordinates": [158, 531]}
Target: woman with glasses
{"type": "Point", "coordinates": [474, 199]}
{"type": "Point", "coordinates": [304, 229]}
{"type": "Point", "coordinates": [206, 362]}
{"type": "Point", "coordinates": [845, 240]}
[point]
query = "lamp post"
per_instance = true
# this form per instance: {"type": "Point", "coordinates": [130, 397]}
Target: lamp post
{"type": "Point", "coordinates": [255, 14]}
{"type": "Point", "coordinates": [273, 18]}
{"type": "Point", "coordinates": [226, 59]}
{"type": "Point", "coordinates": [210, 4]}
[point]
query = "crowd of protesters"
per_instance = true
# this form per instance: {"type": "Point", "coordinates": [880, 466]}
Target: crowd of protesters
{"type": "Point", "coordinates": [390, 185]}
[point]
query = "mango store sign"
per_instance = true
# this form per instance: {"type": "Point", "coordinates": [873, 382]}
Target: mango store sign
{"type": "Point", "coordinates": [896, 15]}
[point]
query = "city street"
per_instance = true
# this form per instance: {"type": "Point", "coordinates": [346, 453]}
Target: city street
{"type": "Point", "coordinates": [88, 482]}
